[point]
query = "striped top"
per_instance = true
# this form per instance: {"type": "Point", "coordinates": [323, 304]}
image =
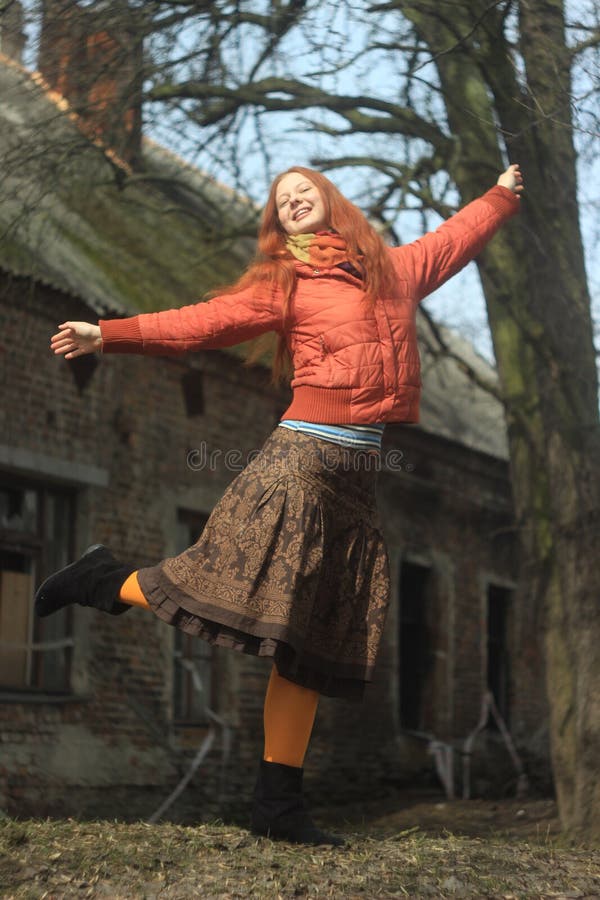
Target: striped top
{"type": "Point", "coordinates": [360, 437]}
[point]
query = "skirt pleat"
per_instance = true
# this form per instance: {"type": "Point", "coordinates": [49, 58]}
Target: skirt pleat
{"type": "Point", "coordinates": [291, 565]}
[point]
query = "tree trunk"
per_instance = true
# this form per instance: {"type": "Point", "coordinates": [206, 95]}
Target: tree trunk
{"type": "Point", "coordinates": [534, 281]}
{"type": "Point", "coordinates": [568, 388]}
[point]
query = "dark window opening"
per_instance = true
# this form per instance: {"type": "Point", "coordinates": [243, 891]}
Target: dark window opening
{"type": "Point", "coordinates": [192, 385]}
{"type": "Point", "coordinates": [415, 649]}
{"type": "Point", "coordinates": [82, 369]}
{"type": "Point", "coordinates": [35, 540]}
{"type": "Point", "coordinates": [498, 660]}
{"type": "Point", "coordinates": [193, 681]}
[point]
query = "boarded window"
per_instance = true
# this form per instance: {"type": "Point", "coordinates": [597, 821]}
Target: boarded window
{"type": "Point", "coordinates": [35, 540]}
{"type": "Point", "coordinates": [498, 657]}
{"type": "Point", "coordinates": [193, 657]}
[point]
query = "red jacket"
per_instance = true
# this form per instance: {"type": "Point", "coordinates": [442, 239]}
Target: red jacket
{"type": "Point", "coordinates": [354, 363]}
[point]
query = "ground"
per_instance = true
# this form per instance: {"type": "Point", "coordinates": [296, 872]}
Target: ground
{"type": "Point", "coordinates": [402, 847]}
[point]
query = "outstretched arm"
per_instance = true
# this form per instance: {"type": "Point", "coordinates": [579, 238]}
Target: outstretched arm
{"type": "Point", "coordinates": [431, 260]}
{"type": "Point", "coordinates": [221, 322]}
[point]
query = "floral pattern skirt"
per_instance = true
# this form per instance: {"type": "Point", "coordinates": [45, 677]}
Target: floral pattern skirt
{"type": "Point", "coordinates": [291, 565]}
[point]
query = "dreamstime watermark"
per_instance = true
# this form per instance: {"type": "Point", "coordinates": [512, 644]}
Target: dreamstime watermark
{"type": "Point", "coordinates": [339, 459]}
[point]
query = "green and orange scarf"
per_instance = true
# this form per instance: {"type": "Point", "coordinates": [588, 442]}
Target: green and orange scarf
{"type": "Point", "coordinates": [325, 249]}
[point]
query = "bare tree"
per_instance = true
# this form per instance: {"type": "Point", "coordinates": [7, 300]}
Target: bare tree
{"type": "Point", "coordinates": [451, 92]}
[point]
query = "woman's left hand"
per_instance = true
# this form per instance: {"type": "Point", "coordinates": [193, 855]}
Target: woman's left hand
{"type": "Point", "coordinates": [512, 179]}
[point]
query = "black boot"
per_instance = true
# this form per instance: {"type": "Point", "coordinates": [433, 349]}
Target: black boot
{"type": "Point", "coordinates": [279, 810]}
{"type": "Point", "coordinates": [94, 580]}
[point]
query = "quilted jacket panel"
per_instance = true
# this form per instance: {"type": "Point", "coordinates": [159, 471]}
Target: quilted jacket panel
{"type": "Point", "coordinates": [339, 342]}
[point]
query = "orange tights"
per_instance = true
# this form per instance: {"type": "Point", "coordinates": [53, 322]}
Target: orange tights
{"type": "Point", "coordinates": [289, 716]}
{"type": "Point", "coordinates": [289, 711]}
{"type": "Point", "coordinates": [131, 592]}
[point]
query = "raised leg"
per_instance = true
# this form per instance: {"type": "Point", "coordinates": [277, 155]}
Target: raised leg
{"type": "Point", "coordinates": [130, 592]}
{"type": "Point", "coordinates": [93, 580]}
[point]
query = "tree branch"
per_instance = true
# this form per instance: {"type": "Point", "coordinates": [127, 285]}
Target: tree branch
{"type": "Point", "coordinates": [592, 41]}
{"type": "Point", "coordinates": [401, 175]}
{"type": "Point", "coordinates": [297, 95]}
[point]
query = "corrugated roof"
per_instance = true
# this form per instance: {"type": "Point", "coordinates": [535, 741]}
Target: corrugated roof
{"type": "Point", "coordinates": [123, 245]}
{"type": "Point", "coordinates": [127, 245]}
{"type": "Point", "coordinates": [453, 405]}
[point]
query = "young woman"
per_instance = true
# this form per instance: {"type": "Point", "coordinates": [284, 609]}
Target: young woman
{"type": "Point", "coordinates": [291, 564]}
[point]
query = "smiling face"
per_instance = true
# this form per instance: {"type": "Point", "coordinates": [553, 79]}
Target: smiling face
{"type": "Point", "coordinates": [300, 206]}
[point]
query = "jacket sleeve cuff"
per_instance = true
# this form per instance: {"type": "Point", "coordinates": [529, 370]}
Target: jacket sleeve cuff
{"type": "Point", "coordinates": [121, 335]}
{"type": "Point", "coordinates": [504, 201]}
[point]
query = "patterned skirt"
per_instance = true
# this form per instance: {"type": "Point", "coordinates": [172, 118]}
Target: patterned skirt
{"type": "Point", "coordinates": [291, 565]}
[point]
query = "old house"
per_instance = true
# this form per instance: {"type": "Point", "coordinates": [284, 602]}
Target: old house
{"type": "Point", "coordinates": [135, 452]}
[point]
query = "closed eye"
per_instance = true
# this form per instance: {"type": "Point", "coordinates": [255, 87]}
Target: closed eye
{"type": "Point", "coordinates": [285, 199]}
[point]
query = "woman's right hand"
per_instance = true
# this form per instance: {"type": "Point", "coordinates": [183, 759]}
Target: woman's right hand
{"type": "Point", "coordinates": [75, 339]}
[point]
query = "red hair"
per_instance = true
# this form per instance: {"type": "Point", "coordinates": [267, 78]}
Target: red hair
{"type": "Point", "coordinates": [275, 266]}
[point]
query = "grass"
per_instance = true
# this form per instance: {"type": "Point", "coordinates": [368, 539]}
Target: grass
{"type": "Point", "coordinates": [504, 850]}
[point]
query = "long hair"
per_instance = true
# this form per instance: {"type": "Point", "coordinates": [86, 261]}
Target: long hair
{"type": "Point", "coordinates": [274, 266]}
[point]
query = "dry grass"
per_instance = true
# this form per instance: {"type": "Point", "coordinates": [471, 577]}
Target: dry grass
{"type": "Point", "coordinates": [503, 850]}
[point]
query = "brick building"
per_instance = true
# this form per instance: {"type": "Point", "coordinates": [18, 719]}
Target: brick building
{"type": "Point", "coordinates": [134, 453]}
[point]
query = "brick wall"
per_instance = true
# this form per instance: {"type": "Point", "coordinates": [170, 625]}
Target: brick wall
{"type": "Point", "coordinates": [448, 510]}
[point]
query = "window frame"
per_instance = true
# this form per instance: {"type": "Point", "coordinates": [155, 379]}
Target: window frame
{"type": "Point", "coordinates": [184, 645]}
{"type": "Point", "coordinates": [33, 545]}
